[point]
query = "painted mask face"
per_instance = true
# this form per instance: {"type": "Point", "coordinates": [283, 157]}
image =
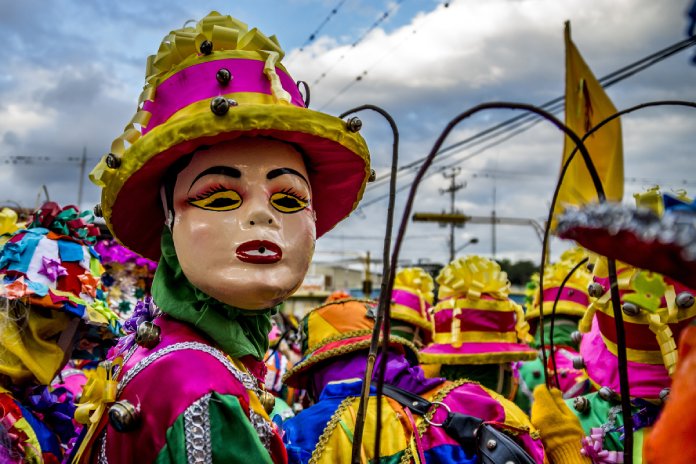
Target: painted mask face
{"type": "Point", "coordinates": [244, 227]}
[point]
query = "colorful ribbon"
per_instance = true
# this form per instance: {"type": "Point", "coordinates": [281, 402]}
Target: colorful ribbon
{"type": "Point", "coordinates": [593, 448]}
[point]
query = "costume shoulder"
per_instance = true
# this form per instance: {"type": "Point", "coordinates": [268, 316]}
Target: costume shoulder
{"type": "Point", "coordinates": [163, 384]}
{"type": "Point", "coordinates": [476, 400]}
{"type": "Point", "coordinates": [324, 431]}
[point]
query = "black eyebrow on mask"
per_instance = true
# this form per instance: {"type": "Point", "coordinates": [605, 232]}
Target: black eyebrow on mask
{"type": "Point", "coordinates": [224, 170]}
{"type": "Point", "coordinates": [280, 171]}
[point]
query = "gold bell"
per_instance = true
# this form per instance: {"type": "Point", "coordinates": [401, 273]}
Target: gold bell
{"type": "Point", "coordinates": [267, 401]}
{"type": "Point", "coordinates": [148, 334]}
{"type": "Point", "coordinates": [123, 416]}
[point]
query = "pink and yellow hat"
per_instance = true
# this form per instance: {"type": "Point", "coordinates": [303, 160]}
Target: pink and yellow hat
{"type": "Point", "coordinates": [338, 328]}
{"type": "Point", "coordinates": [214, 82]}
{"type": "Point", "coordinates": [573, 299]}
{"type": "Point", "coordinates": [412, 297]}
{"type": "Point", "coordinates": [655, 310]}
{"type": "Point", "coordinates": [474, 321]}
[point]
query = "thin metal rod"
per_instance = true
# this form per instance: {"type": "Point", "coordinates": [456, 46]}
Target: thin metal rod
{"type": "Point", "coordinates": [553, 319]}
{"type": "Point", "coordinates": [438, 144]}
{"type": "Point", "coordinates": [382, 321]}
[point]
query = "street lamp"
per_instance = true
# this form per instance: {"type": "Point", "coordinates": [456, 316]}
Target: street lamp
{"type": "Point", "coordinates": [472, 241]}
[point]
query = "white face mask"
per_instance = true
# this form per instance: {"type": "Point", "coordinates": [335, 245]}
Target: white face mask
{"type": "Point", "coordinates": [244, 227]}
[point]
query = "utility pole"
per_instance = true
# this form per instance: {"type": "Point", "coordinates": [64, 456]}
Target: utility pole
{"type": "Point", "coordinates": [83, 162]}
{"type": "Point", "coordinates": [452, 189]}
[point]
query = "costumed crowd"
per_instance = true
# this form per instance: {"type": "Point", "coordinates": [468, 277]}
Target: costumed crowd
{"type": "Point", "coordinates": [164, 338]}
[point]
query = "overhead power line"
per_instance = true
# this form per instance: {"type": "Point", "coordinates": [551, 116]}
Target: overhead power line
{"type": "Point", "coordinates": [383, 17]}
{"type": "Point", "coordinates": [313, 35]}
{"type": "Point", "coordinates": [378, 61]}
{"type": "Point", "coordinates": [521, 123]}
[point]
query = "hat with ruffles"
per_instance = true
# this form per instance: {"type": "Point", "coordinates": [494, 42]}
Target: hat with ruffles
{"type": "Point", "coordinates": [50, 267]}
{"type": "Point", "coordinates": [655, 311]}
{"type": "Point", "coordinates": [212, 82]}
{"type": "Point", "coordinates": [335, 329]}
{"type": "Point", "coordinates": [475, 322]}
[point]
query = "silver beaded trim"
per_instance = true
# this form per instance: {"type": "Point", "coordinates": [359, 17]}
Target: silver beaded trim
{"type": "Point", "coordinates": [246, 380]}
{"type": "Point", "coordinates": [101, 459]}
{"type": "Point", "coordinates": [263, 428]}
{"type": "Point", "coordinates": [197, 430]}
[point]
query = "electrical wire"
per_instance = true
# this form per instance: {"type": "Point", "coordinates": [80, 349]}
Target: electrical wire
{"type": "Point", "coordinates": [378, 61]}
{"type": "Point", "coordinates": [554, 106]}
{"type": "Point", "coordinates": [383, 17]}
{"type": "Point", "coordinates": [313, 35]}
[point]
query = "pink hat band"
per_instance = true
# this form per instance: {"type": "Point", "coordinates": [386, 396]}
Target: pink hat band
{"type": "Point", "coordinates": [412, 301]}
{"type": "Point", "coordinates": [200, 82]}
{"type": "Point", "coordinates": [568, 294]}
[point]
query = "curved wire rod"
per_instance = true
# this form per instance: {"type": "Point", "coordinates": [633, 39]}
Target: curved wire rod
{"type": "Point", "coordinates": [382, 321]}
{"type": "Point", "coordinates": [553, 318]}
{"type": "Point", "coordinates": [615, 301]}
{"type": "Point", "coordinates": [436, 147]}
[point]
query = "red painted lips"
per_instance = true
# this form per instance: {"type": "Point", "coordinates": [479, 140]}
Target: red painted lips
{"type": "Point", "coordinates": [259, 252]}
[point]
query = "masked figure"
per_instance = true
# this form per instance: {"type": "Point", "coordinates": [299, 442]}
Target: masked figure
{"type": "Point", "coordinates": [335, 347]}
{"type": "Point", "coordinates": [50, 296]}
{"type": "Point", "coordinates": [656, 309]}
{"type": "Point", "coordinates": [227, 179]}
{"type": "Point", "coordinates": [572, 304]}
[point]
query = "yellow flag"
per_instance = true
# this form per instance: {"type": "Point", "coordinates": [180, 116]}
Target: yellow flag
{"type": "Point", "coordinates": [586, 104]}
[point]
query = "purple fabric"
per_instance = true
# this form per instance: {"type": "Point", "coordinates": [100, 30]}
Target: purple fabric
{"type": "Point", "coordinates": [567, 294]}
{"type": "Point", "coordinates": [399, 373]}
{"type": "Point", "coordinates": [646, 380]}
{"type": "Point", "coordinates": [198, 82]}
{"type": "Point", "coordinates": [408, 299]}
{"type": "Point", "coordinates": [111, 252]}
{"type": "Point", "coordinates": [476, 320]}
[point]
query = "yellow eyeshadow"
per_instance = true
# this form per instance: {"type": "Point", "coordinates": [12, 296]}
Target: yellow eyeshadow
{"type": "Point", "coordinates": [225, 200]}
{"type": "Point", "coordinates": [286, 203]}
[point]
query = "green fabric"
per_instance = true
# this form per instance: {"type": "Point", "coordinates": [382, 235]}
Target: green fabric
{"type": "Point", "coordinates": [562, 330]}
{"type": "Point", "coordinates": [531, 374]}
{"type": "Point", "coordinates": [238, 332]}
{"type": "Point", "coordinates": [232, 437]}
{"type": "Point", "coordinates": [597, 415]}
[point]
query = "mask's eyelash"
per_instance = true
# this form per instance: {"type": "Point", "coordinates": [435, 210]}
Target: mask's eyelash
{"type": "Point", "coordinates": [291, 191]}
{"type": "Point", "coordinates": [209, 191]}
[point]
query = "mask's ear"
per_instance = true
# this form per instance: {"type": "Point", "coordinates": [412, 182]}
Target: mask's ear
{"type": "Point", "coordinates": [166, 197]}
{"type": "Point", "coordinates": [168, 184]}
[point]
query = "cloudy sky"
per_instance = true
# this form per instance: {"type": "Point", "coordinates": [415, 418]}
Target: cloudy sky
{"type": "Point", "coordinates": [72, 70]}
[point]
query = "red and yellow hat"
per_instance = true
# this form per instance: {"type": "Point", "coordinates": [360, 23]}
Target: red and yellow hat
{"type": "Point", "coordinates": [655, 310]}
{"type": "Point", "coordinates": [475, 322]}
{"type": "Point", "coordinates": [214, 82]}
{"type": "Point", "coordinates": [335, 329]}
